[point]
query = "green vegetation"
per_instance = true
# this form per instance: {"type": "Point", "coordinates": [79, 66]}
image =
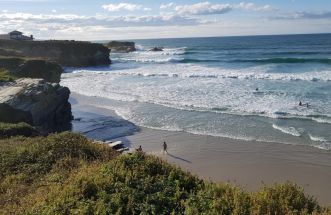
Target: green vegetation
{"type": "Point", "coordinates": [68, 174]}
{"type": "Point", "coordinates": [5, 76]}
{"type": "Point", "coordinates": [31, 168]}
{"type": "Point", "coordinates": [19, 129]}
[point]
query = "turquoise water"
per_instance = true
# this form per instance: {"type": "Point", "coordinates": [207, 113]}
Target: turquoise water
{"type": "Point", "coordinates": [239, 87]}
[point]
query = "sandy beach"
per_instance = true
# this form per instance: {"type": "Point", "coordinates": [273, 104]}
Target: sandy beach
{"type": "Point", "coordinates": [245, 163]}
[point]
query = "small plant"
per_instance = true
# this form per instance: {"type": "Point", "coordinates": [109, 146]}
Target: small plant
{"type": "Point", "coordinates": [5, 76]}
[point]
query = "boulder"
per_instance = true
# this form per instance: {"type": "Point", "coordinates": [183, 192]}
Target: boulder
{"type": "Point", "coordinates": [36, 102]}
{"type": "Point", "coordinates": [121, 46]}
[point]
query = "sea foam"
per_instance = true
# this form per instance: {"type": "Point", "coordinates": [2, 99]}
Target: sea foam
{"type": "Point", "coordinates": [200, 88]}
{"type": "Point", "coordinates": [287, 130]}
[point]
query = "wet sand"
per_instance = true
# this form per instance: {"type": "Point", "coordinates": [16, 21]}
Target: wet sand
{"type": "Point", "coordinates": [248, 164]}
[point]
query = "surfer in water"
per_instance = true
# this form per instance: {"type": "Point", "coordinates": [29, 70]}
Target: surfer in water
{"type": "Point", "coordinates": [301, 104]}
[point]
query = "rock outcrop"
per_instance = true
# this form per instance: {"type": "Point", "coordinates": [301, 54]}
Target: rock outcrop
{"type": "Point", "coordinates": [25, 68]}
{"type": "Point", "coordinates": [36, 102]}
{"type": "Point", "coordinates": [156, 49]}
{"type": "Point", "coordinates": [66, 53]}
{"type": "Point", "coordinates": [121, 46]}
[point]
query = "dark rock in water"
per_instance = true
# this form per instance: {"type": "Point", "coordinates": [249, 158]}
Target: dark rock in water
{"type": "Point", "coordinates": [121, 46]}
{"type": "Point", "coordinates": [36, 102]}
{"type": "Point", "coordinates": [66, 53]}
{"type": "Point", "coordinates": [156, 49]}
{"type": "Point", "coordinates": [23, 68]}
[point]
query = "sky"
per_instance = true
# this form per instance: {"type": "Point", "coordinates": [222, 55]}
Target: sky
{"type": "Point", "coordinates": [132, 19]}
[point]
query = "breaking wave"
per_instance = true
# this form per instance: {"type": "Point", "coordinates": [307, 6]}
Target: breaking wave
{"type": "Point", "coordinates": [285, 60]}
{"type": "Point", "coordinates": [254, 73]}
{"type": "Point", "coordinates": [287, 130]}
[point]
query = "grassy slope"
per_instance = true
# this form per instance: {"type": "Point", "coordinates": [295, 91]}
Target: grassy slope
{"type": "Point", "coordinates": [67, 174]}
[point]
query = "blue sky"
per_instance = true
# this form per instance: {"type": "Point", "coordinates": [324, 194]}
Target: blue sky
{"type": "Point", "coordinates": [132, 19]}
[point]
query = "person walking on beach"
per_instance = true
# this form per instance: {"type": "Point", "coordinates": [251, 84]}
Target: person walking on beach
{"type": "Point", "coordinates": [165, 147]}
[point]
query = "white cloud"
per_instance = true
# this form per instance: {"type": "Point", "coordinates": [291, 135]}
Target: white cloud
{"type": "Point", "coordinates": [207, 8]}
{"type": "Point", "coordinates": [304, 15]}
{"type": "Point", "coordinates": [54, 11]}
{"type": "Point", "coordinates": [203, 8]}
{"type": "Point", "coordinates": [103, 27]}
{"type": "Point", "coordinates": [121, 6]}
{"type": "Point", "coordinates": [53, 22]}
{"type": "Point", "coordinates": [147, 9]}
{"type": "Point", "coordinates": [72, 26]}
{"type": "Point", "coordinates": [253, 7]}
{"type": "Point", "coordinates": [166, 6]}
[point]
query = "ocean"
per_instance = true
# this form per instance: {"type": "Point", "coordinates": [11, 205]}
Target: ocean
{"type": "Point", "coordinates": [246, 88]}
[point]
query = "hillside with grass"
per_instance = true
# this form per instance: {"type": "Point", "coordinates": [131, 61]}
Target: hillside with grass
{"type": "Point", "coordinates": [68, 174]}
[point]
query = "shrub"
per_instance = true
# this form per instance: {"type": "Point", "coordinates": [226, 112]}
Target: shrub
{"type": "Point", "coordinates": [129, 184]}
{"type": "Point", "coordinates": [285, 198]}
{"type": "Point", "coordinates": [19, 129]}
{"type": "Point", "coordinates": [31, 166]}
{"type": "Point", "coordinates": [219, 199]}
{"type": "Point", "coordinates": [38, 155]}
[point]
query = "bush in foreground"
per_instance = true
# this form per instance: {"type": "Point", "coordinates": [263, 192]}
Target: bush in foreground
{"type": "Point", "coordinates": [67, 174]}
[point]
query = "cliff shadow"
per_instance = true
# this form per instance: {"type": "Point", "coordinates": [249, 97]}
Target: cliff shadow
{"type": "Point", "coordinates": [103, 127]}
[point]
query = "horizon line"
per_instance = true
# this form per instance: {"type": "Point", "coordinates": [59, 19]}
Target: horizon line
{"type": "Point", "coordinates": [196, 37]}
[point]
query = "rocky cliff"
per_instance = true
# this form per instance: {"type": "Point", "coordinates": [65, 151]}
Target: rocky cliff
{"type": "Point", "coordinates": [66, 53]}
{"type": "Point", "coordinates": [31, 68]}
{"type": "Point", "coordinates": [36, 102]}
{"type": "Point", "coordinates": [121, 46]}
